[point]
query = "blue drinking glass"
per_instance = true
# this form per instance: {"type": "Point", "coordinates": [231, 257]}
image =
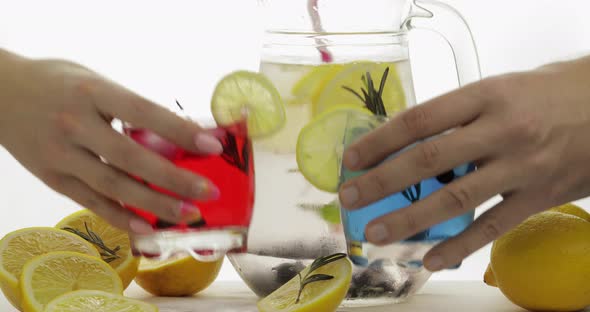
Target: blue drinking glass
{"type": "Point", "coordinates": [410, 251]}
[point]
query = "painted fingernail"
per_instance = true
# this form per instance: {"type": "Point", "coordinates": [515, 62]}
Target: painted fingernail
{"type": "Point", "coordinates": [140, 227]}
{"type": "Point", "coordinates": [208, 189]}
{"type": "Point", "coordinates": [214, 191]}
{"type": "Point", "coordinates": [349, 196]}
{"type": "Point", "coordinates": [208, 143]}
{"type": "Point", "coordinates": [378, 233]}
{"type": "Point", "coordinates": [434, 263]}
{"type": "Point", "coordinates": [189, 212]}
{"type": "Point", "coordinates": [351, 158]}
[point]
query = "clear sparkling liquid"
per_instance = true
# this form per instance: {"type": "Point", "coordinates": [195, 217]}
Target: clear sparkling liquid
{"type": "Point", "coordinates": [295, 223]}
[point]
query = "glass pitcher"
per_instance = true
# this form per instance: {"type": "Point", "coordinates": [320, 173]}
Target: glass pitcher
{"type": "Point", "coordinates": [316, 52]}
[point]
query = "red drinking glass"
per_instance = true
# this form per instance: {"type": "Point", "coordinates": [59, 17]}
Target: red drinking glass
{"type": "Point", "coordinates": [225, 220]}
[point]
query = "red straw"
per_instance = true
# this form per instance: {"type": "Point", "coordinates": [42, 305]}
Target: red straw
{"type": "Point", "coordinates": [314, 13]}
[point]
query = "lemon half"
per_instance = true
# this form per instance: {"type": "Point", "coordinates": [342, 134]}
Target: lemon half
{"type": "Point", "coordinates": [117, 242]}
{"type": "Point", "coordinates": [323, 295]}
{"type": "Point", "coordinates": [176, 277]}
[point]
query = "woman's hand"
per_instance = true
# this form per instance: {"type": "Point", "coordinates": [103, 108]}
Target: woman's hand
{"type": "Point", "coordinates": [56, 121]}
{"type": "Point", "coordinates": [528, 134]}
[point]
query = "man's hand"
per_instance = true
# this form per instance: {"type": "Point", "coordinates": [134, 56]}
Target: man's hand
{"type": "Point", "coordinates": [527, 132]}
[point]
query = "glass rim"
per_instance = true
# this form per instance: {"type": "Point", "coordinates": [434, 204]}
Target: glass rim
{"type": "Point", "coordinates": [375, 32]}
{"type": "Point", "coordinates": [295, 38]}
{"type": "Point", "coordinates": [372, 117]}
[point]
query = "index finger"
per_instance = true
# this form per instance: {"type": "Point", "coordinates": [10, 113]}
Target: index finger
{"type": "Point", "coordinates": [118, 102]}
{"type": "Point", "coordinates": [445, 112]}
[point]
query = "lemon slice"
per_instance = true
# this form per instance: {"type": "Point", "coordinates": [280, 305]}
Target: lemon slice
{"type": "Point", "coordinates": [53, 274]}
{"type": "Point", "coordinates": [334, 93]}
{"type": "Point", "coordinates": [97, 301]}
{"type": "Point", "coordinates": [321, 143]}
{"type": "Point", "coordinates": [177, 277]}
{"type": "Point", "coordinates": [18, 247]}
{"type": "Point", "coordinates": [118, 246]}
{"type": "Point", "coordinates": [311, 84]}
{"type": "Point", "coordinates": [324, 295]}
{"type": "Point", "coordinates": [250, 95]}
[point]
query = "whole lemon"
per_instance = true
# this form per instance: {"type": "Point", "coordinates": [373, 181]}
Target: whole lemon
{"type": "Point", "coordinates": [118, 246]}
{"type": "Point", "coordinates": [573, 210]}
{"type": "Point", "coordinates": [489, 277]}
{"type": "Point", "coordinates": [544, 263]}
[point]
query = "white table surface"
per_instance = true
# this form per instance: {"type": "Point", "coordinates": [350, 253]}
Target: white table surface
{"type": "Point", "coordinates": [447, 296]}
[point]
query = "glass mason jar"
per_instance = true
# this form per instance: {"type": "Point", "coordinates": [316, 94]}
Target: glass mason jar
{"type": "Point", "coordinates": [312, 50]}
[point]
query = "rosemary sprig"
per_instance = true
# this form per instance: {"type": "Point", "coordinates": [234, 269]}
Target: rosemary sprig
{"type": "Point", "coordinates": [373, 100]}
{"type": "Point", "coordinates": [230, 150]}
{"type": "Point", "coordinates": [446, 177]}
{"type": "Point", "coordinates": [232, 155]}
{"type": "Point", "coordinates": [318, 263]}
{"type": "Point", "coordinates": [371, 97]}
{"type": "Point", "coordinates": [413, 193]}
{"type": "Point", "coordinates": [246, 156]}
{"type": "Point", "coordinates": [179, 106]}
{"type": "Point", "coordinates": [107, 254]}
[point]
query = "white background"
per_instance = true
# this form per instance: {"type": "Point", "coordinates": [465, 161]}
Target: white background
{"type": "Point", "coordinates": [178, 49]}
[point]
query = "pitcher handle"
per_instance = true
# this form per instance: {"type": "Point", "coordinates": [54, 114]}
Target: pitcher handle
{"type": "Point", "coordinates": [450, 24]}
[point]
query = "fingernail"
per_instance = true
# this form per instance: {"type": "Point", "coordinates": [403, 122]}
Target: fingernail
{"type": "Point", "coordinates": [349, 196]}
{"type": "Point", "coordinates": [189, 212]}
{"type": "Point", "coordinates": [206, 188]}
{"type": "Point", "coordinates": [378, 233]}
{"type": "Point", "coordinates": [351, 158]}
{"type": "Point", "coordinates": [214, 191]}
{"type": "Point", "coordinates": [217, 133]}
{"type": "Point", "coordinates": [434, 263]}
{"type": "Point", "coordinates": [208, 144]}
{"type": "Point", "coordinates": [140, 227]}
{"type": "Point", "coordinates": [135, 252]}
{"type": "Point", "coordinates": [456, 266]}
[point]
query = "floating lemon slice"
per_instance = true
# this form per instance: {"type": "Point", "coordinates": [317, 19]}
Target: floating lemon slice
{"type": "Point", "coordinates": [337, 90]}
{"type": "Point", "coordinates": [113, 243]}
{"type": "Point", "coordinates": [51, 275]}
{"type": "Point", "coordinates": [97, 301]}
{"type": "Point", "coordinates": [319, 287]}
{"type": "Point", "coordinates": [310, 85]}
{"type": "Point", "coordinates": [250, 95]}
{"type": "Point", "coordinates": [321, 144]}
{"type": "Point", "coordinates": [18, 247]}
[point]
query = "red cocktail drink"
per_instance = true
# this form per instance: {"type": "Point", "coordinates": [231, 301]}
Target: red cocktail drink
{"type": "Point", "coordinates": [224, 220]}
